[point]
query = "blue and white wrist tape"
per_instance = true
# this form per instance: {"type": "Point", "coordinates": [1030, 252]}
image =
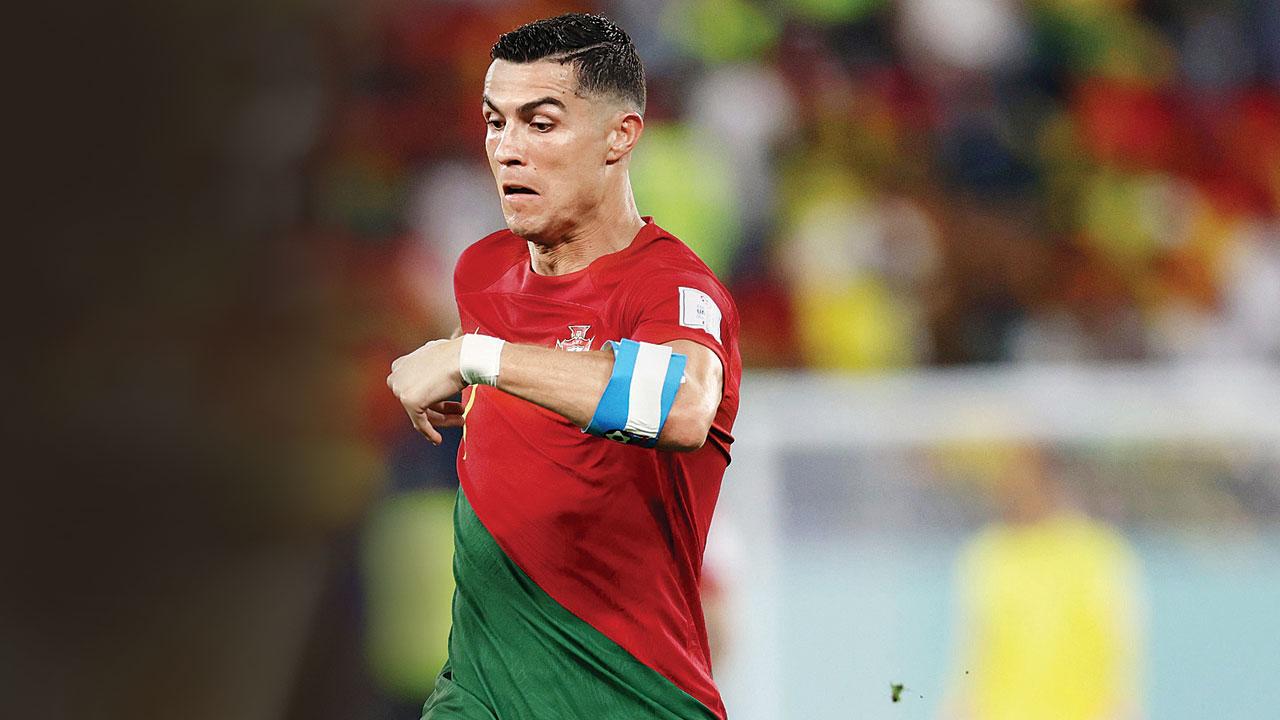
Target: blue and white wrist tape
{"type": "Point", "coordinates": [640, 393]}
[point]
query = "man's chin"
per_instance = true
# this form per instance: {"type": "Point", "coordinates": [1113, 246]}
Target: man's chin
{"type": "Point", "coordinates": [526, 229]}
{"type": "Point", "coordinates": [521, 229]}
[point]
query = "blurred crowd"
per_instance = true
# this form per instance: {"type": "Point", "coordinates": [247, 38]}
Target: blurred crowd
{"type": "Point", "coordinates": [882, 184]}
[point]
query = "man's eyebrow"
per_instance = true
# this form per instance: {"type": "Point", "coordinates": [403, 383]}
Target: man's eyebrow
{"type": "Point", "coordinates": [533, 104]}
{"type": "Point", "coordinates": [529, 106]}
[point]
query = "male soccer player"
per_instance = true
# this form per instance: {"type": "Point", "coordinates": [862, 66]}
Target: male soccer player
{"type": "Point", "coordinates": [599, 376]}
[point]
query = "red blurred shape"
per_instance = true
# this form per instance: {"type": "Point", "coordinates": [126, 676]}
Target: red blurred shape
{"type": "Point", "coordinates": [1127, 124]}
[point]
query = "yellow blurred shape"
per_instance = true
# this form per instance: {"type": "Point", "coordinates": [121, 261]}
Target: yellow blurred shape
{"type": "Point", "coordinates": [686, 184]}
{"type": "Point", "coordinates": [721, 30]}
{"type": "Point", "coordinates": [1051, 622]}
{"type": "Point", "coordinates": [856, 326]}
{"type": "Point", "coordinates": [407, 561]}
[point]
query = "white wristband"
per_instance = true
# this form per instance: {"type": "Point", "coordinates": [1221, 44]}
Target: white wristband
{"type": "Point", "coordinates": [480, 359]}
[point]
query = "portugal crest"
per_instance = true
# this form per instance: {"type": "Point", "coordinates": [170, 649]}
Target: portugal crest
{"type": "Point", "coordinates": [578, 340]}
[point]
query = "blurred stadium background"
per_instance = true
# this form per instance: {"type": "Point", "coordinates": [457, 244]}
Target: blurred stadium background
{"type": "Point", "coordinates": [1009, 274]}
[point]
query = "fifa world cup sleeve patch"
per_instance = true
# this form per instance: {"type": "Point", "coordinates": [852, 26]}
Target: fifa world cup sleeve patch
{"type": "Point", "coordinates": [699, 311]}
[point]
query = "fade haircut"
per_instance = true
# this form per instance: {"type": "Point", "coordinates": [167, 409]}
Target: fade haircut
{"type": "Point", "coordinates": [604, 59]}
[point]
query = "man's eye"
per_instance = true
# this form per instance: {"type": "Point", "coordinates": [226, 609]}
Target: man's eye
{"type": "Point", "coordinates": [495, 124]}
{"type": "Point", "coordinates": [540, 126]}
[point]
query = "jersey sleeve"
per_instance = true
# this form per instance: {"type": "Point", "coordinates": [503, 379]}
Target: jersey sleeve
{"type": "Point", "coordinates": [683, 305]}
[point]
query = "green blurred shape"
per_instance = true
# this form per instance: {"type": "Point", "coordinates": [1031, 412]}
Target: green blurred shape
{"type": "Point", "coordinates": [1101, 38]}
{"type": "Point", "coordinates": [407, 559]}
{"type": "Point", "coordinates": [721, 30]}
{"type": "Point", "coordinates": [812, 180]}
{"type": "Point", "coordinates": [833, 11]}
{"type": "Point", "coordinates": [1117, 217]}
{"type": "Point", "coordinates": [686, 184]}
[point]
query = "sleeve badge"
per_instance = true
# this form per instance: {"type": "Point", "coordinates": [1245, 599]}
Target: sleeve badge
{"type": "Point", "coordinates": [699, 311]}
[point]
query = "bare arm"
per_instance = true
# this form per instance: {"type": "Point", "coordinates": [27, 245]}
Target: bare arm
{"type": "Point", "coordinates": [568, 384]}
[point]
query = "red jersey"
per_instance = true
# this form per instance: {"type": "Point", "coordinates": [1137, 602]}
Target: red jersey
{"type": "Point", "coordinates": [614, 533]}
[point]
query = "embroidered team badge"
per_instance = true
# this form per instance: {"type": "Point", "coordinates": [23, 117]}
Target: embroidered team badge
{"type": "Point", "coordinates": [578, 340]}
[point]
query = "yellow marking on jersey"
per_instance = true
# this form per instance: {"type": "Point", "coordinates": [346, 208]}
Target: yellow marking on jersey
{"type": "Point", "coordinates": [471, 400]}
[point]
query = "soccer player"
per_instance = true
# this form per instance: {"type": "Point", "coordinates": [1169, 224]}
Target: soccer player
{"type": "Point", "coordinates": [599, 372]}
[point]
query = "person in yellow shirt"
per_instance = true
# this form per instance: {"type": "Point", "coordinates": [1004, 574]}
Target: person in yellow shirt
{"type": "Point", "coordinates": [1049, 607]}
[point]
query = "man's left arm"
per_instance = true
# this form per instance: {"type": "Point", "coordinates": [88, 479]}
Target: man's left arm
{"type": "Point", "coordinates": [568, 384]}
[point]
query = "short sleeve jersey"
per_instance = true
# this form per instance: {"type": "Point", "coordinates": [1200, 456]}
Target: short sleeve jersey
{"type": "Point", "coordinates": [614, 533]}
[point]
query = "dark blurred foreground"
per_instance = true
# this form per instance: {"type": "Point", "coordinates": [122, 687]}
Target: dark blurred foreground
{"type": "Point", "coordinates": [179, 456]}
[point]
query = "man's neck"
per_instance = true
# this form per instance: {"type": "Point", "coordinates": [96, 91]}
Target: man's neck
{"type": "Point", "coordinates": [609, 233]}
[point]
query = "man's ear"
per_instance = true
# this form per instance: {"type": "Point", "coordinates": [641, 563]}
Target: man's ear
{"type": "Point", "coordinates": [625, 133]}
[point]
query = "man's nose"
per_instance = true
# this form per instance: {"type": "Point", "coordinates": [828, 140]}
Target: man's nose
{"type": "Point", "coordinates": [510, 149]}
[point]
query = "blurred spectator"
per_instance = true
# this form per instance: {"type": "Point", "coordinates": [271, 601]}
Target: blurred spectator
{"type": "Point", "coordinates": [1050, 605]}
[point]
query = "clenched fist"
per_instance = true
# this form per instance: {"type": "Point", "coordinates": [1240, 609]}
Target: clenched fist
{"type": "Point", "coordinates": [423, 379]}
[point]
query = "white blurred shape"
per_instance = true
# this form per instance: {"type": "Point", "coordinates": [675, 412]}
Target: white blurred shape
{"type": "Point", "coordinates": [910, 240]}
{"type": "Point", "coordinates": [1050, 337]}
{"type": "Point", "coordinates": [1251, 291]}
{"type": "Point", "coordinates": [967, 34]}
{"type": "Point", "coordinates": [450, 206]}
{"type": "Point", "coordinates": [745, 103]}
{"type": "Point", "coordinates": [746, 108]}
{"type": "Point", "coordinates": [834, 240]}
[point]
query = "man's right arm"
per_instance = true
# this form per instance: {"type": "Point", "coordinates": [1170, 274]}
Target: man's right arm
{"type": "Point", "coordinates": [568, 384]}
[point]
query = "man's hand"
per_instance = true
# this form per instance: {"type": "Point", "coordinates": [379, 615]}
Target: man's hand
{"type": "Point", "coordinates": [423, 380]}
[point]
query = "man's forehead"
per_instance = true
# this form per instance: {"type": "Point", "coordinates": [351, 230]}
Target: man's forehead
{"type": "Point", "coordinates": [517, 83]}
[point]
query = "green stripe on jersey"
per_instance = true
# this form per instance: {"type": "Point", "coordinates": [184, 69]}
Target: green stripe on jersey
{"type": "Point", "coordinates": [517, 654]}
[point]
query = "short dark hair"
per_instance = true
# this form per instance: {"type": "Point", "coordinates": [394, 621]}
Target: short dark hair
{"type": "Point", "coordinates": [603, 58]}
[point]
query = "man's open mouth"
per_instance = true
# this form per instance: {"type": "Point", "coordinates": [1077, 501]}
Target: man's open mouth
{"type": "Point", "coordinates": [510, 189]}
